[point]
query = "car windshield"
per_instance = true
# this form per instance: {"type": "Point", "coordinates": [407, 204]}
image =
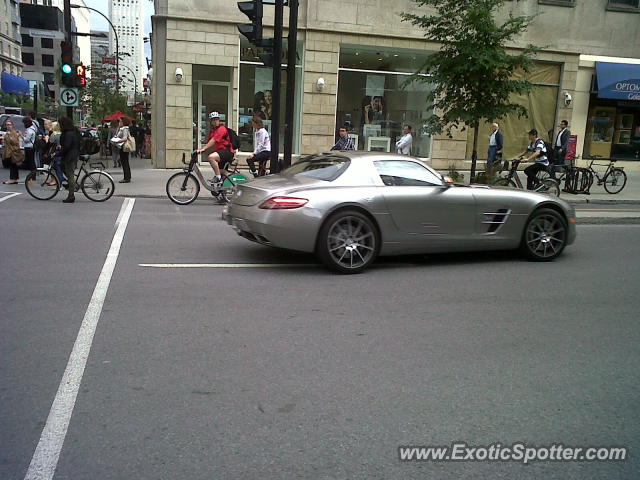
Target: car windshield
{"type": "Point", "coordinates": [321, 167]}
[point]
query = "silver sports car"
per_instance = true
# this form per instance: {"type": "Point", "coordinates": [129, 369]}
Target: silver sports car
{"type": "Point", "coordinates": [350, 207]}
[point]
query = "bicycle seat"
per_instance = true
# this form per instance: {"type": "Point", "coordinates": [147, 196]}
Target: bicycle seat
{"type": "Point", "coordinates": [85, 158]}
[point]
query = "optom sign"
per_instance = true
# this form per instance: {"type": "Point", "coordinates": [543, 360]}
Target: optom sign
{"type": "Point", "coordinates": [618, 80]}
{"type": "Point", "coordinates": [69, 97]}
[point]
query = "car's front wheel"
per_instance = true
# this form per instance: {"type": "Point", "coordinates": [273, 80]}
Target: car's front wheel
{"type": "Point", "coordinates": [348, 242]}
{"type": "Point", "coordinates": [545, 235]}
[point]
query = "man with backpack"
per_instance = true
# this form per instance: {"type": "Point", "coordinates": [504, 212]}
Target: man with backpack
{"type": "Point", "coordinates": [224, 142]}
{"type": "Point", "coordinates": [537, 152]}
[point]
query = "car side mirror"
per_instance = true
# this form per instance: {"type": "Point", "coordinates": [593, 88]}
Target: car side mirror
{"type": "Point", "coordinates": [447, 181]}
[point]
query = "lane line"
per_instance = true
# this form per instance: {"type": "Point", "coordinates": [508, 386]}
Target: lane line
{"type": "Point", "coordinates": [11, 195]}
{"type": "Point", "coordinates": [45, 458]}
{"type": "Point", "coordinates": [228, 265]}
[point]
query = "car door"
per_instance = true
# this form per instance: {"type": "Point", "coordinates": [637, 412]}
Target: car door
{"type": "Point", "coordinates": [423, 207]}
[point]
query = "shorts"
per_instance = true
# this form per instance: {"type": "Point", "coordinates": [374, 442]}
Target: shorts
{"type": "Point", "coordinates": [226, 157]}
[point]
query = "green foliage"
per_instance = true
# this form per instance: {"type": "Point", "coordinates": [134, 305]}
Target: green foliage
{"type": "Point", "coordinates": [100, 98]}
{"type": "Point", "coordinates": [473, 74]}
{"type": "Point", "coordinates": [455, 175]}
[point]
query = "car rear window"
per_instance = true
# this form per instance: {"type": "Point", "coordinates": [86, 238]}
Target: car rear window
{"type": "Point", "coordinates": [321, 167]}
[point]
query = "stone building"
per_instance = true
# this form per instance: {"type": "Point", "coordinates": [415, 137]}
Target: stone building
{"type": "Point", "coordinates": [353, 59]}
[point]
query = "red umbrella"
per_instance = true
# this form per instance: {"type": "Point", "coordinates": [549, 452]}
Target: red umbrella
{"type": "Point", "coordinates": [116, 116]}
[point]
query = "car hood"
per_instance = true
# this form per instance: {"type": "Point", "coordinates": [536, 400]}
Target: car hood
{"type": "Point", "coordinates": [260, 189]}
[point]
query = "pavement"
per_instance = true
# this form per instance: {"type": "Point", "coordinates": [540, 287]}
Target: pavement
{"type": "Point", "coordinates": [296, 373]}
{"type": "Point", "coordinates": [598, 207]}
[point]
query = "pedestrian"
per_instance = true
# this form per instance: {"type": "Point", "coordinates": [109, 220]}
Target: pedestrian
{"type": "Point", "coordinates": [123, 135]}
{"type": "Point", "coordinates": [404, 144]}
{"type": "Point", "coordinates": [495, 146]}
{"type": "Point", "coordinates": [54, 151]}
{"type": "Point", "coordinates": [133, 131]}
{"type": "Point", "coordinates": [537, 152]}
{"type": "Point", "coordinates": [345, 142]}
{"type": "Point", "coordinates": [140, 141]}
{"type": "Point", "coordinates": [12, 152]}
{"type": "Point", "coordinates": [562, 142]}
{"type": "Point", "coordinates": [69, 151]}
{"type": "Point", "coordinates": [262, 147]}
{"type": "Point", "coordinates": [28, 140]}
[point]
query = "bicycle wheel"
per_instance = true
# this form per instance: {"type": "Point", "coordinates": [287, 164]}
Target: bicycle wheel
{"type": "Point", "coordinates": [504, 182]}
{"type": "Point", "coordinates": [42, 184]}
{"type": "Point", "coordinates": [549, 187]}
{"type": "Point", "coordinates": [97, 186]}
{"type": "Point", "coordinates": [615, 181]}
{"type": "Point", "coordinates": [542, 175]}
{"type": "Point", "coordinates": [183, 188]}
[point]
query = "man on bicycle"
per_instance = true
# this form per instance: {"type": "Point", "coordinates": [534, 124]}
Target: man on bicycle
{"type": "Point", "coordinates": [536, 151]}
{"type": "Point", "coordinates": [223, 151]}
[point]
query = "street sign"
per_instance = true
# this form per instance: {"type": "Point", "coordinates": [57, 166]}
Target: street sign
{"type": "Point", "coordinates": [69, 97]}
{"type": "Point", "coordinates": [108, 60]}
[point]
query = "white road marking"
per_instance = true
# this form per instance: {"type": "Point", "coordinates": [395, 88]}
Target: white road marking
{"type": "Point", "coordinates": [227, 265]}
{"type": "Point", "coordinates": [45, 459]}
{"type": "Point", "coordinates": [11, 195]}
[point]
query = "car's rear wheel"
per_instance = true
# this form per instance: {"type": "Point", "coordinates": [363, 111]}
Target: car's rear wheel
{"type": "Point", "coordinates": [545, 235]}
{"type": "Point", "coordinates": [348, 242]}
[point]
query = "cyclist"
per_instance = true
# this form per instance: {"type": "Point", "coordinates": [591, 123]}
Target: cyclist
{"type": "Point", "coordinates": [223, 151]}
{"type": "Point", "coordinates": [262, 150]}
{"type": "Point", "coordinates": [537, 152]}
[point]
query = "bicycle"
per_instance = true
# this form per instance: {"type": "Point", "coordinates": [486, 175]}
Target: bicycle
{"type": "Point", "coordinates": [547, 185]}
{"type": "Point", "coordinates": [96, 184]}
{"type": "Point", "coordinates": [614, 179]}
{"type": "Point", "coordinates": [184, 187]}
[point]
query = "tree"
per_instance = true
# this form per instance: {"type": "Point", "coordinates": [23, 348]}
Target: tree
{"type": "Point", "coordinates": [472, 73]}
{"type": "Point", "coordinates": [99, 97]}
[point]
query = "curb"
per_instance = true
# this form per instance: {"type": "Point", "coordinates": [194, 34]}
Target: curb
{"type": "Point", "coordinates": [583, 201]}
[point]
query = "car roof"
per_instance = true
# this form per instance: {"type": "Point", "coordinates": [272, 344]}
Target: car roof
{"type": "Point", "coordinates": [360, 155]}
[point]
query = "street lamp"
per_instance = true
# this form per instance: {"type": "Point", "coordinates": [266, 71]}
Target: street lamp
{"type": "Point", "coordinates": [135, 82]}
{"type": "Point", "coordinates": [115, 34]}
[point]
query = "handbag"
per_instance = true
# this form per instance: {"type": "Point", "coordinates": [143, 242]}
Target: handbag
{"type": "Point", "coordinates": [129, 145]}
{"type": "Point", "coordinates": [17, 156]}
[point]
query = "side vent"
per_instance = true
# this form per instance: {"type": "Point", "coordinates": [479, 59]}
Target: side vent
{"type": "Point", "coordinates": [494, 220]}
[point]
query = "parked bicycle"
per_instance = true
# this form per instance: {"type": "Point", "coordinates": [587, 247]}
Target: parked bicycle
{"type": "Point", "coordinates": [613, 179]}
{"type": "Point", "coordinates": [184, 187]}
{"type": "Point", "coordinates": [547, 185]}
{"type": "Point", "coordinates": [96, 184]}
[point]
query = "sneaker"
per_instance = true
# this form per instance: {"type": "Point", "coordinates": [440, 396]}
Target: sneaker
{"type": "Point", "coordinates": [216, 180]}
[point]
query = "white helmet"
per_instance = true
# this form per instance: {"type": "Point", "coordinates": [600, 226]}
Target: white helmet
{"type": "Point", "coordinates": [213, 115]}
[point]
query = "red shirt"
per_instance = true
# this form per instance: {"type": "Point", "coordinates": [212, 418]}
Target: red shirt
{"type": "Point", "coordinates": [221, 139]}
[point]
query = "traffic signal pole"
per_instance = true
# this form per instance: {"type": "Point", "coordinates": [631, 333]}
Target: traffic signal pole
{"type": "Point", "coordinates": [275, 86]}
{"type": "Point", "coordinates": [291, 82]}
{"type": "Point", "coordinates": [69, 38]}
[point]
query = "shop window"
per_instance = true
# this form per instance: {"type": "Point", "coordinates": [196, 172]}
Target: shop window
{"type": "Point", "coordinates": [46, 42]}
{"type": "Point", "coordinates": [256, 94]}
{"type": "Point", "coordinates": [27, 41]}
{"type": "Point", "coordinates": [27, 58]}
{"type": "Point", "coordinates": [559, 3]}
{"type": "Point", "coordinates": [623, 5]}
{"type": "Point", "coordinates": [375, 107]}
{"type": "Point", "coordinates": [541, 103]}
{"type": "Point", "coordinates": [47, 60]}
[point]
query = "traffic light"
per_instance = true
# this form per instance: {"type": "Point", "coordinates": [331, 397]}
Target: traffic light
{"type": "Point", "coordinates": [80, 77]}
{"type": "Point", "coordinates": [66, 63]}
{"type": "Point", "coordinates": [253, 30]}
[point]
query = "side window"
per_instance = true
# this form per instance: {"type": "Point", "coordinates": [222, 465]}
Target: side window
{"type": "Point", "coordinates": [402, 173]}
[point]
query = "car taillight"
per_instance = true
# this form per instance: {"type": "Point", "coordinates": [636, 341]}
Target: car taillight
{"type": "Point", "coordinates": [283, 203]}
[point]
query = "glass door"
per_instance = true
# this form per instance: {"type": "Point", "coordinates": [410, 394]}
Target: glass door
{"type": "Point", "coordinates": [212, 97]}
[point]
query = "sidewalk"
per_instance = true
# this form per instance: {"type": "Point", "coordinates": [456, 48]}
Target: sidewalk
{"type": "Point", "coordinates": [149, 182]}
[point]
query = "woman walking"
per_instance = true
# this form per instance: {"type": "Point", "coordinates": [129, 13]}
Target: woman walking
{"type": "Point", "coordinates": [70, 150]}
{"type": "Point", "coordinates": [123, 135]}
{"type": "Point", "coordinates": [12, 152]}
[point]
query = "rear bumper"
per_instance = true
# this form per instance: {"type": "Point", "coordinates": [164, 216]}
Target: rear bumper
{"type": "Point", "coordinates": [288, 229]}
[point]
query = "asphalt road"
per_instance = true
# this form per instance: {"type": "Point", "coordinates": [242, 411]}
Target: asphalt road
{"type": "Point", "coordinates": [283, 373]}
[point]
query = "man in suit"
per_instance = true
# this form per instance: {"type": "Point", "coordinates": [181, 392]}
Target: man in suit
{"type": "Point", "coordinates": [562, 142]}
{"type": "Point", "coordinates": [495, 145]}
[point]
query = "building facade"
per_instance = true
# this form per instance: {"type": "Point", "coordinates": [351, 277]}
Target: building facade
{"type": "Point", "coordinates": [354, 57]}
{"type": "Point", "coordinates": [10, 54]}
{"type": "Point", "coordinates": [127, 18]}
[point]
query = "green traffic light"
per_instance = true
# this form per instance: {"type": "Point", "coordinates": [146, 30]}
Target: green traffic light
{"type": "Point", "coordinates": [66, 68]}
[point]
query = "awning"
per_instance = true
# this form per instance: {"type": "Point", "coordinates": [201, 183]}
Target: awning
{"type": "Point", "coordinates": [618, 80]}
{"type": "Point", "coordinates": [14, 84]}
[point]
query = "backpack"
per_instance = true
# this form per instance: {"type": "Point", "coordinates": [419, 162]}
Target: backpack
{"type": "Point", "coordinates": [551, 156]}
{"type": "Point", "coordinates": [233, 138]}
